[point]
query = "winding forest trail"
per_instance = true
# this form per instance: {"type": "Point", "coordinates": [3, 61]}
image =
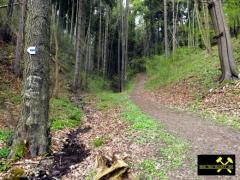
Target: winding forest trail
{"type": "Point", "coordinates": [204, 136]}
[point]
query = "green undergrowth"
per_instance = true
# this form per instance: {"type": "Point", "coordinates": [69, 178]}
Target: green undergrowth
{"type": "Point", "coordinates": [4, 151]}
{"type": "Point", "coordinates": [171, 154]}
{"type": "Point", "coordinates": [201, 70]}
{"type": "Point", "coordinates": [98, 142]}
{"type": "Point", "coordinates": [97, 84]}
{"type": "Point", "coordinates": [4, 137]}
{"type": "Point", "coordinates": [195, 65]}
{"type": "Point", "coordinates": [223, 119]}
{"type": "Point", "coordinates": [192, 64]}
{"type": "Point", "coordinates": [63, 114]}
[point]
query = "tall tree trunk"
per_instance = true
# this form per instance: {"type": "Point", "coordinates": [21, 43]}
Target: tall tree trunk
{"type": "Point", "coordinates": [123, 48]}
{"type": "Point", "coordinates": [99, 37]}
{"type": "Point", "coordinates": [72, 18]}
{"type": "Point", "coordinates": [76, 25]}
{"type": "Point", "coordinates": [206, 25]}
{"type": "Point", "coordinates": [76, 84]}
{"type": "Point", "coordinates": [173, 22]}
{"type": "Point", "coordinates": [20, 40]}
{"type": "Point", "coordinates": [200, 27]}
{"type": "Point", "coordinates": [105, 42]}
{"type": "Point", "coordinates": [189, 27]}
{"type": "Point", "coordinates": [126, 48]}
{"type": "Point", "coordinates": [193, 29]}
{"type": "Point", "coordinates": [119, 47]}
{"type": "Point", "coordinates": [56, 75]}
{"type": "Point", "coordinates": [32, 132]}
{"type": "Point", "coordinates": [228, 66]}
{"type": "Point", "coordinates": [88, 49]}
{"type": "Point", "coordinates": [166, 45]}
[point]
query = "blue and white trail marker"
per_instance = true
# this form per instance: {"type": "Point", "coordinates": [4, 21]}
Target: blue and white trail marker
{"type": "Point", "coordinates": [32, 50]}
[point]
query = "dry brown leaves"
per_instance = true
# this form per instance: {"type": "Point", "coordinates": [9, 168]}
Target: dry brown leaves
{"type": "Point", "coordinates": [225, 100]}
{"type": "Point", "coordinates": [179, 94]}
{"type": "Point", "coordinates": [9, 86]}
{"type": "Point", "coordinates": [107, 125]}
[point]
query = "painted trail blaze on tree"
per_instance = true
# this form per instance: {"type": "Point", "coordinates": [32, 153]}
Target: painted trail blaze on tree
{"type": "Point", "coordinates": [32, 131]}
{"type": "Point", "coordinates": [228, 66]}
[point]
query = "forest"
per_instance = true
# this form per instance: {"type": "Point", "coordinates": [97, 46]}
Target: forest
{"type": "Point", "coordinates": [119, 89]}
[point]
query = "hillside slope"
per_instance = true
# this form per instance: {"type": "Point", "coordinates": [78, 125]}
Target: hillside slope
{"type": "Point", "coordinates": [189, 80]}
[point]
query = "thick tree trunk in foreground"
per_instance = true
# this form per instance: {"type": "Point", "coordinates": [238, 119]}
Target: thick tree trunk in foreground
{"type": "Point", "coordinates": [20, 40]}
{"type": "Point", "coordinates": [32, 133]}
{"type": "Point", "coordinates": [228, 66]}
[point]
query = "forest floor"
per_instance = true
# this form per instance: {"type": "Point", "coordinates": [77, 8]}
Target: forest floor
{"type": "Point", "coordinates": [146, 127]}
{"type": "Point", "coordinates": [203, 135]}
{"type": "Point", "coordinates": [83, 127]}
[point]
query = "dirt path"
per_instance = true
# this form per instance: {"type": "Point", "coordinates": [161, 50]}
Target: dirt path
{"type": "Point", "coordinates": [204, 136]}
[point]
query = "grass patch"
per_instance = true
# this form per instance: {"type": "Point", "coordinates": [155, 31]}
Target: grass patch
{"type": "Point", "coordinates": [5, 135]}
{"type": "Point", "coordinates": [4, 151]}
{"type": "Point", "coordinates": [223, 119]}
{"type": "Point", "coordinates": [97, 142]}
{"type": "Point", "coordinates": [151, 131]}
{"type": "Point", "coordinates": [16, 99]}
{"type": "Point", "coordinates": [63, 114]}
{"type": "Point", "coordinates": [149, 167]}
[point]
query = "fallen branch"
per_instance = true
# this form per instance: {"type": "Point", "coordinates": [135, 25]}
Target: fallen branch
{"type": "Point", "coordinates": [25, 163]}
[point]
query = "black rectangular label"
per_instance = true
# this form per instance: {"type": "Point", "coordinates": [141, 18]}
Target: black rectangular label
{"type": "Point", "coordinates": [216, 165]}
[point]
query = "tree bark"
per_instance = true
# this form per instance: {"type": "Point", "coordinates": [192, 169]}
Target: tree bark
{"type": "Point", "coordinates": [76, 84]}
{"type": "Point", "coordinates": [56, 75]}
{"type": "Point", "coordinates": [123, 48]}
{"type": "Point", "coordinates": [105, 42]}
{"type": "Point", "coordinates": [228, 66]}
{"type": "Point", "coordinates": [9, 11]}
{"type": "Point", "coordinates": [32, 132]}
{"type": "Point", "coordinates": [76, 25]}
{"type": "Point", "coordinates": [201, 29]}
{"type": "Point", "coordinates": [88, 49]}
{"type": "Point", "coordinates": [119, 47]}
{"type": "Point", "coordinates": [126, 48]}
{"type": "Point", "coordinates": [99, 37]}
{"type": "Point", "coordinates": [166, 45]}
{"type": "Point", "coordinates": [206, 25]}
{"type": "Point", "coordinates": [72, 18]}
{"type": "Point", "coordinates": [174, 21]}
{"type": "Point", "coordinates": [20, 40]}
